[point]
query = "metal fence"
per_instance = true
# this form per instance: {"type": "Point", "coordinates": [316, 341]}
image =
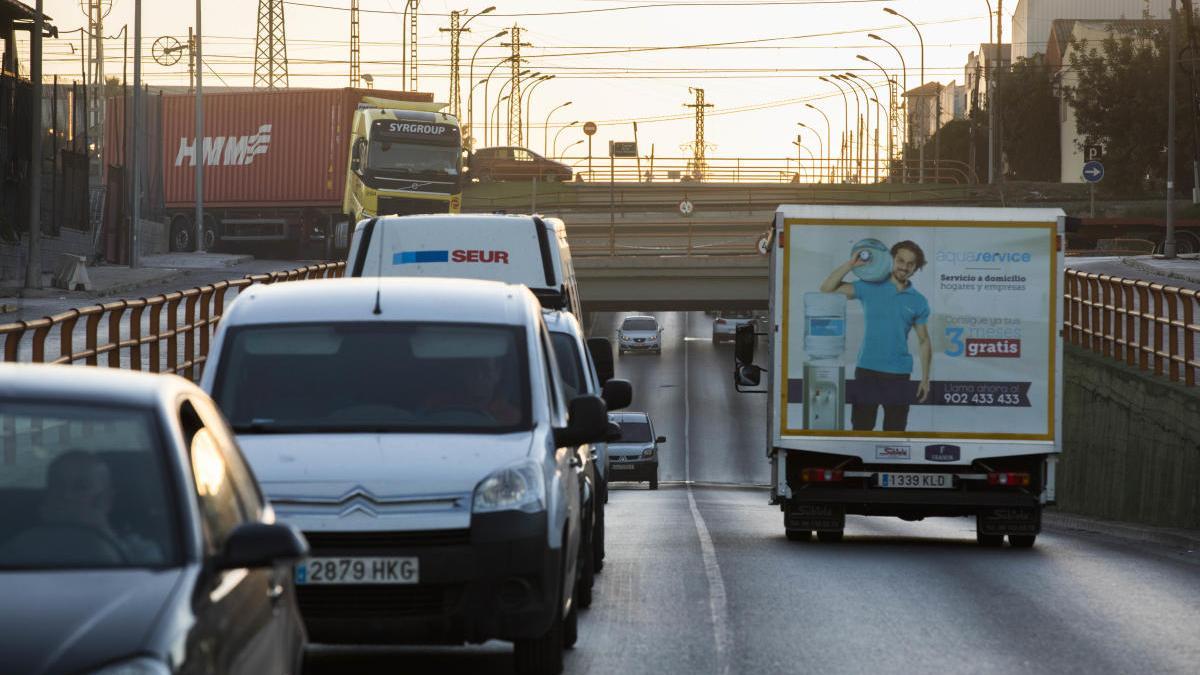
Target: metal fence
{"type": "Point", "coordinates": [1146, 325]}
{"type": "Point", "coordinates": [167, 333]}
{"type": "Point", "coordinates": [812, 170]}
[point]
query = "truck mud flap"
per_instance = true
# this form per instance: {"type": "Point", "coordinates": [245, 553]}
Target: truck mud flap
{"type": "Point", "coordinates": [819, 517]}
{"type": "Point", "coordinates": [1009, 521]}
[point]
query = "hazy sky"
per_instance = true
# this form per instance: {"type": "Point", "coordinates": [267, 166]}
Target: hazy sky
{"type": "Point", "coordinates": [758, 88]}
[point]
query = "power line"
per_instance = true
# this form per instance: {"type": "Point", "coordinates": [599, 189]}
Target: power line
{"type": "Point", "coordinates": [601, 10]}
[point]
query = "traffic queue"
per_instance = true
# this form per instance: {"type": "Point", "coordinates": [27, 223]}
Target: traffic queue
{"type": "Point", "coordinates": [413, 455]}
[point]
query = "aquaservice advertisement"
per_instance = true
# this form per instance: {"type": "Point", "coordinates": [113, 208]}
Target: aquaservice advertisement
{"type": "Point", "coordinates": [934, 329]}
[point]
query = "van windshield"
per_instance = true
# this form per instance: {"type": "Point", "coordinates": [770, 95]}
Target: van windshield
{"type": "Point", "coordinates": [635, 431]}
{"type": "Point", "coordinates": [375, 377]}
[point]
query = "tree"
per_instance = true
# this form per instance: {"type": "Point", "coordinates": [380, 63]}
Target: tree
{"type": "Point", "coordinates": [1028, 116]}
{"type": "Point", "coordinates": [1120, 102]}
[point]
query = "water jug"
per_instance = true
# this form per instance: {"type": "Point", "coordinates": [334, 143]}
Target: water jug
{"type": "Point", "coordinates": [877, 257]}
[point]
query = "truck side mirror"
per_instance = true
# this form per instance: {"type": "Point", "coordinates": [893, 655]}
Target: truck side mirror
{"type": "Point", "coordinates": [743, 344]}
{"type": "Point", "coordinates": [602, 357]}
{"type": "Point", "coordinates": [356, 153]}
{"type": "Point", "coordinates": [747, 376]}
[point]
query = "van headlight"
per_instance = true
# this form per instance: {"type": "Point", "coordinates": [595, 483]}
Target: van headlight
{"type": "Point", "coordinates": [516, 488]}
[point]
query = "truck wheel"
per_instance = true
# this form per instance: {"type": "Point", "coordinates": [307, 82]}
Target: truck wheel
{"type": "Point", "coordinates": [799, 535]}
{"type": "Point", "coordinates": [830, 536]}
{"type": "Point", "coordinates": [542, 655]}
{"type": "Point", "coordinates": [989, 540]}
{"type": "Point", "coordinates": [1022, 540]}
{"type": "Point", "coordinates": [181, 234]}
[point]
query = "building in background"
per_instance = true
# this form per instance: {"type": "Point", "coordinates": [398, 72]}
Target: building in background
{"type": "Point", "coordinates": [1033, 19]}
{"type": "Point", "coordinates": [977, 73]}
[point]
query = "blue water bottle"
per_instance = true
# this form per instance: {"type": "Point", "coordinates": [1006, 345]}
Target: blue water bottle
{"type": "Point", "coordinates": [877, 258]}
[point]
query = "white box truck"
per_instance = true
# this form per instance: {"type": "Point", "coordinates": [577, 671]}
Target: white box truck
{"type": "Point", "coordinates": [914, 366]}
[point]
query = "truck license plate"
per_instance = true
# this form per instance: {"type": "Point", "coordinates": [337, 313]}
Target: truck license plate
{"type": "Point", "coordinates": [888, 479]}
{"type": "Point", "coordinates": [346, 570]}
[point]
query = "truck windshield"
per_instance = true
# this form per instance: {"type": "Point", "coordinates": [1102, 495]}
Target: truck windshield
{"type": "Point", "coordinates": [375, 378]}
{"type": "Point", "coordinates": [413, 158]}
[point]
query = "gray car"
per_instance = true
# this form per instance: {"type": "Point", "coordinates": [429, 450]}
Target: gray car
{"type": "Point", "coordinates": [133, 538]}
{"type": "Point", "coordinates": [634, 456]}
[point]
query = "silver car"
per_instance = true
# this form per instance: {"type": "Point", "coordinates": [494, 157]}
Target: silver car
{"type": "Point", "coordinates": [726, 324]}
{"type": "Point", "coordinates": [634, 456]}
{"type": "Point", "coordinates": [639, 334]}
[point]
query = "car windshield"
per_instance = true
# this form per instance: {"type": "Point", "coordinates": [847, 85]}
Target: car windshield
{"type": "Point", "coordinates": [635, 431]}
{"type": "Point", "coordinates": [644, 323]}
{"type": "Point", "coordinates": [412, 158]}
{"type": "Point", "coordinates": [375, 377]}
{"type": "Point", "coordinates": [83, 486]}
{"type": "Point", "coordinates": [566, 352]}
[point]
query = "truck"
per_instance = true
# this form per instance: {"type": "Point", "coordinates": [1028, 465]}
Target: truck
{"type": "Point", "coordinates": [914, 366]}
{"type": "Point", "coordinates": [293, 168]}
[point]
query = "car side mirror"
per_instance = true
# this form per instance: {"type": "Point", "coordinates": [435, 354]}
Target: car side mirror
{"type": "Point", "coordinates": [256, 545]}
{"type": "Point", "coordinates": [661, 439]}
{"type": "Point", "coordinates": [617, 394]}
{"type": "Point", "coordinates": [587, 422]}
{"type": "Point", "coordinates": [743, 344]}
{"type": "Point", "coordinates": [602, 356]}
{"type": "Point", "coordinates": [614, 432]}
{"type": "Point", "coordinates": [747, 375]}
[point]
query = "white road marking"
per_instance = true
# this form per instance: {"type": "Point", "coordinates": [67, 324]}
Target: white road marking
{"type": "Point", "coordinates": [717, 606]}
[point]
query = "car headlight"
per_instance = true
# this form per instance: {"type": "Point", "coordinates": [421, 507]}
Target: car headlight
{"type": "Point", "coordinates": [142, 665]}
{"type": "Point", "coordinates": [648, 452]}
{"type": "Point", "coordinates": [515, 488]}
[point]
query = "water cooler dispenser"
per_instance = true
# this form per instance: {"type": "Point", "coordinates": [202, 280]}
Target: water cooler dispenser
{"type": "Point", "coordinates": [824, 372]}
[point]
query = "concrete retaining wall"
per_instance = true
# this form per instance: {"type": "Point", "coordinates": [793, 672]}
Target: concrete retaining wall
{"type": "Point", "coordinates": [1131, 444]}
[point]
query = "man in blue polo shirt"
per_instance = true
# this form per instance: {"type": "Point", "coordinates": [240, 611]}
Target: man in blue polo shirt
{"type": "Point", "coordinates": [892, 308]}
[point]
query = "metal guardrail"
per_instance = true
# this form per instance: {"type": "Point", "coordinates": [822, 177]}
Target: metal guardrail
{"type": "Point", "coordinates": [134, 335]}
{"type": "Point", "coordinates": [811, 170]}
{"type": "Point", "coordinates": [1147, 325]}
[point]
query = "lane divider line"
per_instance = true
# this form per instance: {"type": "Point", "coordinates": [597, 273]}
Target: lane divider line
{"type": "Point", "coordinates": [718, 606]}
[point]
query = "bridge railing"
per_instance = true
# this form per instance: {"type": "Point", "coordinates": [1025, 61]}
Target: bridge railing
{"type": "Point", "coordinates": [812, 170]}
{"type": "Point", "coordinates": [1146, 325]}
{"type": "Point", "coordinates": [166, 333]}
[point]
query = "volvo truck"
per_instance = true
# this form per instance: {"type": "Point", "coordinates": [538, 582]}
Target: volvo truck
{"type": "Point", "coordinates": [913, 367]}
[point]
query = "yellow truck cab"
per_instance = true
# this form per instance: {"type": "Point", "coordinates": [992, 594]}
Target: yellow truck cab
{"type": "Point", "coordinates": [405, 158]}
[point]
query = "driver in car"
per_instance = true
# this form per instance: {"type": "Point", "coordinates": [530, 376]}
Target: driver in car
{"type": "Point", "coordinates": [481, 388]}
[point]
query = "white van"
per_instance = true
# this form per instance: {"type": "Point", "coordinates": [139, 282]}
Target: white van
{"type": "Point", "coordinates": [417, 431]}
{"type": "Point", "coordinates": [528, 250]}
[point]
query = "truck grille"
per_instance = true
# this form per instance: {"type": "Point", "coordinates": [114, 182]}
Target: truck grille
{"type": "Point", "coordinates": [400, 206]}
{"type": "Point", "coordinates": [363, 543]}
{"type": "Point", "coordinates": [376, 601]}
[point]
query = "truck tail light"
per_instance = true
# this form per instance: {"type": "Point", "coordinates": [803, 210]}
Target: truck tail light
{"type": "Point", "coordinates": [820, 475]}
{"type": "Point", "coordinates": [1008, 478]}
{"type": "Point", "coordinates": [720, 322]}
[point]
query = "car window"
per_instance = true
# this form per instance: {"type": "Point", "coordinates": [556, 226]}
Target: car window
{"type": "Point", "coordinates": [249, 496]}
{"type": "Point", "coordinates": [643, 323]}
{"type": "Point", "coordinates": [375, 378]}
{"type": "Point", "coordinates": [216, 491]}
{"type": "Point", "coordinates": [635, 431]}
{"type": "Point", "coordinates": [83, 486]}
{"type": "Point", "coordinates": [522, 155]}
{"type": "Point", "coordinates": [570, 367]}
{"type": "Point", "coordinates": [737, 314]}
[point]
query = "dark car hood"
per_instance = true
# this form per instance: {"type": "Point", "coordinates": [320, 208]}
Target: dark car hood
{"type": "Point", "coordinates": [71, 620]}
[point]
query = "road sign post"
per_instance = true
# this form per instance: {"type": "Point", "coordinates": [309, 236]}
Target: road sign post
{"type": "Point", "coordinates": [589, 129]}
{"type": "Point", "coordinates": [1093, 172]}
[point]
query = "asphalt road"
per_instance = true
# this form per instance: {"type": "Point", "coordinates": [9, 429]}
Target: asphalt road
{"type": "Point", "coordinates": [700, 579]}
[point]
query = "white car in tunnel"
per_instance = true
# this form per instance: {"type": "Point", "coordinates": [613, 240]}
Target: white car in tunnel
{"type": "Point", "coordinates": [726, 323]}
{"type": "Point", "coordinates": [639, 334]}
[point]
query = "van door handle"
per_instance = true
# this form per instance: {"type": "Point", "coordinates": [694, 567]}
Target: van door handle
{"type": "Point", "coordinates": [576, 461]}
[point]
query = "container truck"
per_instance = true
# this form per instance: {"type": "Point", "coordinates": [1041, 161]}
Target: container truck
{"type": "Point", "coordinates": [295, 167]}
{"type": "Point", "coordinates": [913, 367]}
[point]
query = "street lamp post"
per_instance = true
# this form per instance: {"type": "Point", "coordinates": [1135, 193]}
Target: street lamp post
{"type": "Point", "coordinates": [546, 128]}
{"type": "Point", "coordinates": [903, 102]}
{"type": "Point", "coordinates": [891, 100]}
{"type": "Point", "coordinates": [864, 145]}
{"type": "Point", "coordinates": [528, 95]}
{"type": "Point", "coordinates": [496, 126]}
{"type": "Point", "coordinates": [471, 93]}
{"type": "Point", "coordinates": [855, 150]}
{"type": "Point", "coordinates": [828, 141]}
{"type": "Point", "coordinates": [533, 77]}
{"type": "Point", "coordinates": [820, 144]}
{"type": "Point", "coordinates": [845, 124]}
{"type": "Point", "coordinates": [924, 106]}
{"type": "Point", "coordinates": [561, 129]}
{"type": "Point", "coordinates": [869, 91]}
{"type": "Point", "coordinates": [564, 152]}
{"type": "Point", "coordinates": [487, 115]}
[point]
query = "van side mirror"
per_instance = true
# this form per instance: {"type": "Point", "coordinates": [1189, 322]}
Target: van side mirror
{"type": "Point", "coordinates": [748, 375]}
{"type": "Point", "coordinates": [257, 545]}
{"type": "Point", "coordinates": [602, 356]}
{"type": "Point", "coordinates": [617, 394]}
{"type": "Point", "coordinates": [744, 343]}
{"type": "Point", "coordinates": [587, 422]}
{"type": "Point", "coordinates": [661, 439]}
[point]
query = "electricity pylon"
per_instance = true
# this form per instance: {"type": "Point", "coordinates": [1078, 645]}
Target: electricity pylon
{"type": "Point", "coordinates": [270, 49]}
{"type": "Point", "coordinates": [699, 163]}
{"type": "Point", "coordinates": [355, 54]}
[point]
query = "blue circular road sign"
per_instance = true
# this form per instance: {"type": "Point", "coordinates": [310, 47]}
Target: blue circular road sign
{"type": "Point", "coordinates": [1093, 171]}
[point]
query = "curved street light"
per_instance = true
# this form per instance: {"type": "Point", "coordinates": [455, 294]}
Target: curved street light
{"type": "Point", "coordinates": [564, 152]}
{"type": "Point", "coordinates": [845, 122]}
{"type": "Point", "coordinates": [855, 151]}
{"type": "Point", "coordinates": [471, 79]}
{"type": "Point", "coordinates": [487, 114]}
{"type": "Point", "coordinates": [924, 106]}
{"type": "Point", "coordinates": [496, 114]}
{"type": "Point", "coordinates": [561, 129]}
{"type": "Point", "coordinates": [869, 93]}
{"type": "Point", "coordinates": [820, 143]}
{"type": "Point", "coordinates": [828, 141]}
{"type": "Point", "coordinates": [546, 128]}
{"type": "Point", "coordinates": [528, 96]}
